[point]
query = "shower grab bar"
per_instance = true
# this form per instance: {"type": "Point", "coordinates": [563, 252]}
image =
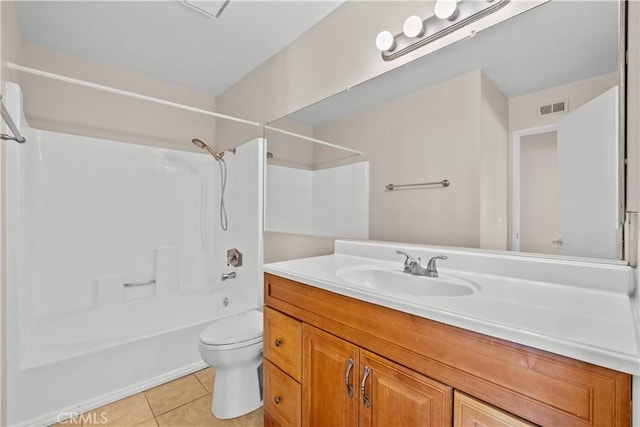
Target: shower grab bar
{"type": "Point", "coordinates": [317, 141]}
{"type": "Point", "coordinates": [104, 88]}
{"type": "Point", "coordinates": [12, 126]}
{"type": "Point", "coordinates": [444, 183]}
{"type": "Point", "coordinates": [146, 282]}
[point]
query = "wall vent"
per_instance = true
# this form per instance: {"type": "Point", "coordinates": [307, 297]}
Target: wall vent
{"type": "Point", "coordinates": [554, 108]}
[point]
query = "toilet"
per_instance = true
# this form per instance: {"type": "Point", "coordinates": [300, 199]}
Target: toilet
{"type": "Point", "coordinates": [233, 347]}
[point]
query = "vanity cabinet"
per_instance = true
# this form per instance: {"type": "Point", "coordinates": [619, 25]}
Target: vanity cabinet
{"type": "Point", "coordinates": [345, 385]}
{"type": "Point", "coordinates": [398, 396]}
{"type": "Point", "coordinates": [409, 368]}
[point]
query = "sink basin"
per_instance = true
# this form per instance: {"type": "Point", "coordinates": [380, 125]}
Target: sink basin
{"type": "Point", "coordinates": [390, 280]}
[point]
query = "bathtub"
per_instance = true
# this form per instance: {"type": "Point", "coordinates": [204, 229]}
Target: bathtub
{"type": "Point", "coordinates": [69, 363]}
{"type": "Point", "coordinates": [53, 340]}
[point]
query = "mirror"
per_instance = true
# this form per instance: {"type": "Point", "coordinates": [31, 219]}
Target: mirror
{"type": "Point", "coordinates": [522, 120]}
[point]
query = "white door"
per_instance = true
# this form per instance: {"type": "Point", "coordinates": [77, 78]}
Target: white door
{"type": "Point", "coordinates": [587, 171]}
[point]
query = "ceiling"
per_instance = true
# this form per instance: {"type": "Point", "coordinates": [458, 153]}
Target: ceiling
{"type": "Point", "coordinates": [167, 41]}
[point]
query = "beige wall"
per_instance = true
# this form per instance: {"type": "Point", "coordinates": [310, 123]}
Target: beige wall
{"type": "Point", "coordinates": [494, 123]}
{"type": "Point", "coordinates": [288, 150]}
{"type": "Point", "coordinates": [68, 108]}
{"type": "Point", "coordinates": [523, 110]}
{"type": "Point", "coordinates": [282, 247]}
{"type": "Point", "coordinates": [428, 135]}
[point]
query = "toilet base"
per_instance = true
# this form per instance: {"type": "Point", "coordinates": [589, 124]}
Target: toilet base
{"type": "Point", "coordinates": [237, 390]}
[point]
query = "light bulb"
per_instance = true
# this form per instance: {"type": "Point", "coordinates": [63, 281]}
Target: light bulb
{"type": "Point", "coordinates": [385, 41]}
{"type": "Point", "coordinates": [446, 9]}
{"type": "Point", "coordinates": [413, 26]}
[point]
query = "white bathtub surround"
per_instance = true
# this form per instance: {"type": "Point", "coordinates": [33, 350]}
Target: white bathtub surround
{"type": "Point", "coordinates": [167, 270]}
{"type": "Point", "coordinates": [244, 199]}
{"type": "Point", "coordinates": [86, 216]}
{"type": "Point", "coordinates": [109, 291]}
{"type": "Point", "coordinates": [571, 307]}
{"type": "Point", "coordinates": [318, 202]}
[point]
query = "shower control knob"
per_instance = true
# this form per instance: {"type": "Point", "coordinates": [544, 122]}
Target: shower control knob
{"type": "Point", "coordinates": [278, 342]}
{"type": "Point", "coordinates": [234, 257]}
{"type": "Point", "coordinates": [276, 400]}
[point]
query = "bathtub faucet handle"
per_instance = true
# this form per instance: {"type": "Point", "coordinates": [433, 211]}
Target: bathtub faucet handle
{"type": "Point", "coordinates": [226, 276]}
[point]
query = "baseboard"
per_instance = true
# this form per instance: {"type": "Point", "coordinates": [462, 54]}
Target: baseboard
{"type": "Point", "coordinates": [88, 405]}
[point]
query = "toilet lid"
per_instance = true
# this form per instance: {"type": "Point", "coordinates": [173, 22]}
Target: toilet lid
{"type": "Point", "coordinates": [233, 329]}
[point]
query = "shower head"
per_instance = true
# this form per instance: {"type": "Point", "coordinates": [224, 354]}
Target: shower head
{"type": "Point", "coordinates": [204, 146]}
{"type": "Point", "coordinates": [199, 143]}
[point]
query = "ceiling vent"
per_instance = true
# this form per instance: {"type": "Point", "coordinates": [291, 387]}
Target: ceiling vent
{"type": "Point", "coordinates": [554, 108]}
{"type": "Point", "coordinates": [209, 8]}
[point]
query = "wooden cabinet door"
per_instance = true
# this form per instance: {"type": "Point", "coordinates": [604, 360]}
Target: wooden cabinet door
{"type": "Point", "coordinates": [392, 395]}
{"type": "Point", "coordinates": [470, 412]}
{"type": "Point", "coordinates": [329, 372]}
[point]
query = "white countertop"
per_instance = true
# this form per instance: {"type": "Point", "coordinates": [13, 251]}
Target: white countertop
{"type": "Point", "coordinates": [595, 323]}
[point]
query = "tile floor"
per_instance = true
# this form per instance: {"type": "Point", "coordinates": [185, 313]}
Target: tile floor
{"type": "Point", "coordinates": [185, 402]}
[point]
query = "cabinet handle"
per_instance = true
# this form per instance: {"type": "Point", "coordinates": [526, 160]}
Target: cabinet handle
{"type": "Point", "coordinates": [277, 400]}
{"type": "Point", "coordinates": [278, 342]}
{"type": "Point", "coordinates": [346, 377]}
{"type": "Point", "coordinates": [365, 375]}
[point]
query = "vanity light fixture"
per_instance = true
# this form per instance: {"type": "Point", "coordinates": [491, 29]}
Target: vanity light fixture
{"type": "Point", "coordinates": [449, 16]}
{"type": "Point", "coordinates": [413, 26]}
{"type": "Point", "coordinates": [446, 9]}
{"type": "Point", "coordinates": [385, 42]}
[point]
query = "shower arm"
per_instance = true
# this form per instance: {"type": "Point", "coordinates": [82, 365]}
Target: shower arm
{"type": "Point", "coordinates": [213, 153]}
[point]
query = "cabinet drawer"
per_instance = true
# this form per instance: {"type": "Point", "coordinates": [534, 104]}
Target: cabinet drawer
{"type": "Point", "coordinates": [283, 341]}
{"type": "Point", "coordinates": [282, 398]}
{"type": "Point", "coordinates": [469, 412]}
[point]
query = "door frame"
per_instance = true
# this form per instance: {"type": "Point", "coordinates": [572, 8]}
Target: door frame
{"type": "Point", "coordinates": [516, 141]}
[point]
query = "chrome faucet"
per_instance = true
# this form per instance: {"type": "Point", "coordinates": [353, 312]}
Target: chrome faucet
{"type": "Point", "coordinates": [413, 266]}
{"type": "Point", "coordinates": [432, 271]}
{"type": "Point", "coordinates": [410, 263]}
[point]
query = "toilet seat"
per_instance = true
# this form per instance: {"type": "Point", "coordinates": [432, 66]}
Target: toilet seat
{"type": "Point", "coordinates": [239, 330]}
